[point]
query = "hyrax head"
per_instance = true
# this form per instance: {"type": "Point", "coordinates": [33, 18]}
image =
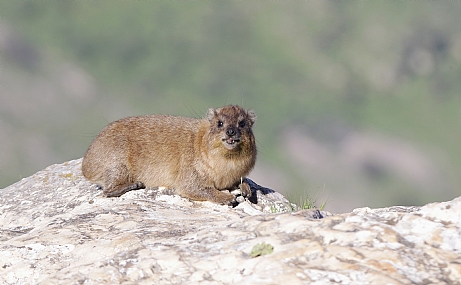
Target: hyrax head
{"type": "Point", "coordinates": [232, 125]}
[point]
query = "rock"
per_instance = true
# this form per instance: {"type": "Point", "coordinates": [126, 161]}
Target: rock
{"type": "Point", "coordinates": [57, 229]}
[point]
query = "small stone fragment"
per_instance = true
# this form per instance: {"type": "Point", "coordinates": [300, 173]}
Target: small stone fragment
{"type": "Point", "coordinates": [236, 192]}
{"type": "Point", "coordinates": [240, 199]}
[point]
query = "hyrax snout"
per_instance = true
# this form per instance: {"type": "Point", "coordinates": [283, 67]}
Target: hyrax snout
{"type": "Point", "coordinates": [197, 158]}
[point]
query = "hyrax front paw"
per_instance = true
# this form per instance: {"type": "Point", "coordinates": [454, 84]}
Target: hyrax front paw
{"type": "Point", "coordinates": [225, 198]}
{"type": "Point", "coordinates": [245, 188]}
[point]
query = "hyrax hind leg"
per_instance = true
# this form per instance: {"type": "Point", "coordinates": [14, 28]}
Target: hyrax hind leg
{"type": "Point", "coordinates": [117, 182]}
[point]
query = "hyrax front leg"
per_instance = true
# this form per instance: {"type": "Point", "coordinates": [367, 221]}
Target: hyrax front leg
{"type": "Point", "coordinates": [208, 194]}
{"type": "Point", "coordinates": [245, 188]}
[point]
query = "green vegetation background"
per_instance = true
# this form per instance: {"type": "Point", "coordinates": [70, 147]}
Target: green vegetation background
{"type": "Point", "coordinates": [294, 62]}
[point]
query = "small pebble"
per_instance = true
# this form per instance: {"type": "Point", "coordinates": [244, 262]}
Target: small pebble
{"type": "Point", "coordinates": [236, 192]}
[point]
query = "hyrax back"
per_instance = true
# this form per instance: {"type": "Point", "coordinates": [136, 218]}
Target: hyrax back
{"type": "Point", "coordinates": [195, 157]}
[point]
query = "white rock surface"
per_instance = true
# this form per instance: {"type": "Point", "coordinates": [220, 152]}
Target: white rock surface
{"type": "Point", "coordinates": [57, 229]}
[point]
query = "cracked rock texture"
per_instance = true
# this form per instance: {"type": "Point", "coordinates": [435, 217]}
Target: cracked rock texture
{"type": "Point", "coordinates": [55, 228]}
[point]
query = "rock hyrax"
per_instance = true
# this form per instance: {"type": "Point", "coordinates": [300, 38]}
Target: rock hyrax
{"type": "Point", "coordinates": [194, 157]}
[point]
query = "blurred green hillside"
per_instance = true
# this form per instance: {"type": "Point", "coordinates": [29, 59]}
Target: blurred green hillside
{"type": "Point", "coordinates": [357, 102]}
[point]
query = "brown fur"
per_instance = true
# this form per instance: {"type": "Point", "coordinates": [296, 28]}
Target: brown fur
{"type": "Point", "coordinates": [195, 157]}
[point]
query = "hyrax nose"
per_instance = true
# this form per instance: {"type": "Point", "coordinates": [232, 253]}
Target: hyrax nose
{"type": "Point", "coordinates": [230, 132]}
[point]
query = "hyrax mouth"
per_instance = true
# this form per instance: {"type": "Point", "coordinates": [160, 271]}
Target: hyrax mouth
{"type": "Point", "coordinates": [231, 140]}
{"type": "Point", "coordinates": [231, 143]}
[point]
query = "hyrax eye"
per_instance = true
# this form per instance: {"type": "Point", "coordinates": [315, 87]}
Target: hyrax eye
{"type": "Point", "coordinates": [220, 124]}
{"type": "Point", "coordinates": [242, 124]}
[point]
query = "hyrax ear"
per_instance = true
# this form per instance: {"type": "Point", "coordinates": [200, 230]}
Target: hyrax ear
{"type": "Point", "coordinates": [210, 114]}
{"type": "Point", "coordinates": [251, 116]}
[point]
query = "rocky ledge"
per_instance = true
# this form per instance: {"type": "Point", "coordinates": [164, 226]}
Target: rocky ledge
{"type": "Point", "coordinates": [57, 229]}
